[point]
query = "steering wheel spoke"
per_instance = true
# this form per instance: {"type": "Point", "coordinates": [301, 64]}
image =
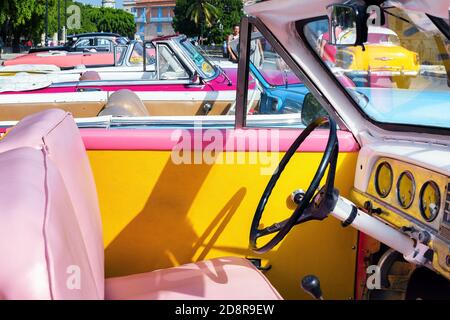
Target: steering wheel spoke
{"type": "Point", "coordinates": [313, 205]}
{"type": "Point", "coordinates": [271, 229]}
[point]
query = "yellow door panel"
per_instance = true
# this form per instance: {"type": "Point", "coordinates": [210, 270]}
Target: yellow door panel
{"type": "Point", "coordinates": [157, 214]}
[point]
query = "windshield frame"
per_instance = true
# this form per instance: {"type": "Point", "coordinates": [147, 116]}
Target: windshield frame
{"type": "Point", "coordinates": [185, 51]}
{"type": "Point", "coordinates": [396, 127]}
{"type": "Point", "coordinates": [243, 75]}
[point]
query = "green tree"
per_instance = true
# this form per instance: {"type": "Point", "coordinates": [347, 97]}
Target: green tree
{"type": "Point", "coordinates": [95, 19]}
{"type": "Point", "coordinates": [231, 12]}
{"type": "Point", "coordinates": [23, 18]}
{"type": "Point", "coordinates": [181, 22]}
{"type": "Point", "coordinates": [26, 18]}
{"type": "Point", "coordinates": [228, 13]}
{"type": "Point", "coordinates": [202, 12]}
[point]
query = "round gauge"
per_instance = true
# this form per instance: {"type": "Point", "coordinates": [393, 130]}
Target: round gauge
{"type": "Point", "coordinates": [430, 201]}
{"type": "Point", "coordinates": [383, 179]}
{"type": "Point", "coordinates": [406, 188]}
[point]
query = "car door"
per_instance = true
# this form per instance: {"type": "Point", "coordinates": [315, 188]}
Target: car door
{"type": "Point", "coordinates": [177, 189]}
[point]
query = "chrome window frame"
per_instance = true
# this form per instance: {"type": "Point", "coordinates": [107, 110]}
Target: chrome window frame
{"type": "Point", "coordinates": [243, 70]}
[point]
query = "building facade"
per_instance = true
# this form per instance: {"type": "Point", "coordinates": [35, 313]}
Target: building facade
{"type": "Point", "coordinates": [153, 17]}
{"type": "Point", "coordinates": [128, 5]}
{"type": "Point", "coordinates": [109, 4]}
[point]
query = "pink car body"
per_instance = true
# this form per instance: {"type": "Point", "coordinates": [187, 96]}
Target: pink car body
{"type": "Point", "coordinates": [63, 59]}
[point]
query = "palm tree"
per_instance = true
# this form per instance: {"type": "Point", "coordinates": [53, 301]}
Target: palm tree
{"type": "Point", "coordinates": [202, 13]}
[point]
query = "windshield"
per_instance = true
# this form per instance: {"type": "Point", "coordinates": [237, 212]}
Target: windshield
{"type": "Point", "coordinates": [401, 76]}
{"type": "Point", "coordinates": [204, 67]}
{"type": "Point", "coordinates": [137, 55]}
{"type": "Point", "coordinates": [383, 39]}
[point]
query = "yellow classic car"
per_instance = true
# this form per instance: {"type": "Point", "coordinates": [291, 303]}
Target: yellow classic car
{"type": "Point", "coordinates": [382, 56]}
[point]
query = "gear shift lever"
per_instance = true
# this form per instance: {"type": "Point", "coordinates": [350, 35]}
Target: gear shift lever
{"type": "Point", "coordinates": [311, 285]}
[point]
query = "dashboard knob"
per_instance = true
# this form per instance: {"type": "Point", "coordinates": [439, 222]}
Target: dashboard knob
{"type": "Point", "coordinates": [424, 237]}
{"type": "Point", "coordinates": [370, 209]}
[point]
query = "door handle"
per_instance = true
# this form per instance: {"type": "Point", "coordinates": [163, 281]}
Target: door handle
{"type": "Point", "coordinates": [88, 89]}
{"type": "Point", "coordinates": [201, 86]}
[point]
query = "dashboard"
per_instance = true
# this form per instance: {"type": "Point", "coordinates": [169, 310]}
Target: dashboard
{"type": "Point", "coordinates": [416, 193]}
{"type": "Point", "coordinates": [409, 195]}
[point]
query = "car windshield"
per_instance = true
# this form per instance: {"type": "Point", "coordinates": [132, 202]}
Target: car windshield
{"type": "Point", "coordinates": [401, 75]}
{"type": "Point", "coordinates": [137, 56]}
{"type": "Point", "coordinates": [204, 67]}
{"type": "Point", "coordinates": [382, 38]}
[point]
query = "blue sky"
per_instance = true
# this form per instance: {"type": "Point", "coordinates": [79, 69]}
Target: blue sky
{"type": "Point", "coordinates": [99, 2]}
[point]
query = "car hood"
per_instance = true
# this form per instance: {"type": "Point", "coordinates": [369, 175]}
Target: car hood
{"type": "Point", "coordinates": [413, 107]}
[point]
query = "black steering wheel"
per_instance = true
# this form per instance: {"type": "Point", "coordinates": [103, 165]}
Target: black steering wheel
{"type": "Point", "coordinates": [312, 205]}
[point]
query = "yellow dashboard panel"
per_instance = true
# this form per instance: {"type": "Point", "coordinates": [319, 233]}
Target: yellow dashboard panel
{"type": "Point", "coordinates": [413, 198]}
{"type": "Point", "coordinates": [416, 191]}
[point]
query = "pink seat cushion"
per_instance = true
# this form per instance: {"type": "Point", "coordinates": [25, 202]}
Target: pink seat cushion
{"type": "Point", "coordinates": [217, 279]}
{"type": "Point", "coordinates": [55, 131]}
{"type": "Point", "coordinates": [43, 255]}
{"type": "Point", "coordinates": [50, 229]}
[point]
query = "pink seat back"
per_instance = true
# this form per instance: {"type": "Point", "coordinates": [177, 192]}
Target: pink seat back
{"type": "Point", "coordinates": [54, 134]}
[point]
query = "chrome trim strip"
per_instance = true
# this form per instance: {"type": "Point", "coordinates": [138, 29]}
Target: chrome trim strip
{"type": "Point", "coordinates": [289, 121]}
{"type": "Point", "coordinates": [103, 83]}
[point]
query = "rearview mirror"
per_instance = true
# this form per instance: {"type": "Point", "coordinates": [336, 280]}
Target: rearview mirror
{"type": "Point", "coordinates": [348, 23]}
{"type": "Point", "coordinates": [311, 109]}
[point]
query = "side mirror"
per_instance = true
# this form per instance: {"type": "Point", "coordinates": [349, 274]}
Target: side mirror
{"type": "Point", "coordinates": [196, 81]}
{"type": "Point", "coordinates": [311, 109]}
{"type": "Point", "coordinates": [348, 23]}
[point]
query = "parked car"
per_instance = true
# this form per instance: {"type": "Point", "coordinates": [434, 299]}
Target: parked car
{"type": "Point", "coordinates": [382, 56]}
{"type": "Point", "coordinates": [172, 64]}
{"type": "Point", "coordinates": [85, 49]}
{"type": "Point", "coordinates": [98, 41]}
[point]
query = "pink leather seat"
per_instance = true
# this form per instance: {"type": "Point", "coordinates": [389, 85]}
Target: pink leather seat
{"type": "Point", "coordinates": [217, 279]}
{"type": "Point", "coordinates": [43, 253]}
{"type": "Point", "coordinates": [55, 132]}
{"type": "Point", "coordinates": [51, 244]}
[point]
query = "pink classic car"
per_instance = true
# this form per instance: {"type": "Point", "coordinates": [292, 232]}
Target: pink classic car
{"type": "Point", "coordinates": [63, 59]}
{"type": "Point", "coordinates": [89, 49]}
{"type": "Point", "coordinates": [172, 78]}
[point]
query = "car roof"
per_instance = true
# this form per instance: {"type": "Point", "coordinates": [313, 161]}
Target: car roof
{"type": "Point", "coordinates": [94, 34]}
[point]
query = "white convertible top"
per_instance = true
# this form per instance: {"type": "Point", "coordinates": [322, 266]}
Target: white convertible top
{"type": "Point", "coordinates": [38, 68]}
{"type": "Point", "coordinates": [23, 81]}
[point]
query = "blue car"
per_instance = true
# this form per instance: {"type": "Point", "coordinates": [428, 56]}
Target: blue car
{"type": "Point", "coordinates": [279, 99]}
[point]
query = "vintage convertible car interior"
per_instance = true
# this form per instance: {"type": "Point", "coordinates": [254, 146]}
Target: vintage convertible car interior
{"type": "Point", "coordinates": [238, 206]}
{"type": "Point", "coordinates": [56, 223]}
